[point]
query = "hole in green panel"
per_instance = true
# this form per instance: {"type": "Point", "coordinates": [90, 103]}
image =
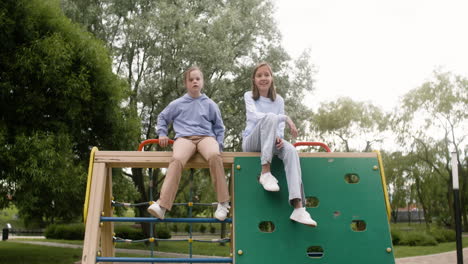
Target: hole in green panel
{"type": "Point", "coordinates": [266, 226]}
{"type": "Point", "coordinates": [312, 202]}
{"type": "Point", "coordinates": [358, 225]}
{"type": "Point", "coordinates": [315, 252]}
{"type": "Point", "coordinates": [351, 178]}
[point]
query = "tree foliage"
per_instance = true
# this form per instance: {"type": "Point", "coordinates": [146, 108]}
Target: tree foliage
{"type": "Point", "coordinates": [431, 124]}
{"type": "Point", "coordinates": [349, 125]}
{"type": "Point", "coordinates": [58, 97]}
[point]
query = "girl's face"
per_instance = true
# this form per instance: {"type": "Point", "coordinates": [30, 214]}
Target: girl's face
{"type": "Point", "coordinates": [194, 83]}
{"type": "Point", "coordinates": [263, 80]}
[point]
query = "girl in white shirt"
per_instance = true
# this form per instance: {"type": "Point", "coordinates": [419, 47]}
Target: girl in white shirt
{"type": "Point", "coordinates": [264, 132]}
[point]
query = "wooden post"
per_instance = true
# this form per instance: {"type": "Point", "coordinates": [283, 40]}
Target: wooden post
{"type": "Point", "coordinates": [96, 199]}
{"type": "Point", "coordinates": [108, 228]}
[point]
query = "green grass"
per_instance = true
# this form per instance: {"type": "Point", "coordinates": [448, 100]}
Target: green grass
{"type": "Point", "coordinates": [407, 251]}
{"type": "Point", "coordinates": [198, 248]}
{"type": "Point", "coordinates": [19, 253]}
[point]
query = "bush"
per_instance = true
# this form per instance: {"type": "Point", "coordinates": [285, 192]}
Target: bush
{"type": "Point", "coordinates": [51, 231]}
{"type": "Point", "coordinates": [418, 239]}
{"type": "Point", "coordinates": [202, 229]}
{"type": "Point", "coordinates": [212, 229]}
{"type": "Point", "coordinates": [396, 236]}
{"type": "Point", "coordinates": [128, 232]}
{"type": "Point", "coordinates": [175, 228]}
{"type": "Point", "coordinates": [443, 235]}
{"type": "Point", "coordinates": [69, 232]}
{"type": "Point", "coordinates": [163, 232]}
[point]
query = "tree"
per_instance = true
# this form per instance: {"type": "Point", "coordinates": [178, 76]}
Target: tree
{"type": "Point", "coordinates": [58, 97]}
{"type": "Point", "coordinates": [350, 125]}
{"type": "Point", "coordinates": [410, 181]}
{"type": "Point", "coordinates": [432, 122]}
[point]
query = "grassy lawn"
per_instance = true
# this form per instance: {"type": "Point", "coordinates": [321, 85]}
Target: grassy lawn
{"type": "Point", "coordinates": [198, 248]}
{"type": "Point", "coordinates": [19, 253]}
{"type": "Point", "coordinates": [407, 251]}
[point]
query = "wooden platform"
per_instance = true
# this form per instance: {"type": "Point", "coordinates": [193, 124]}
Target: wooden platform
{"type": "Point", "coordinates": [161, 159]}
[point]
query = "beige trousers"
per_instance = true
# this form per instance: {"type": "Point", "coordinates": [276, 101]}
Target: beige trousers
{"type": "Point", "coordinates": [182, 150]}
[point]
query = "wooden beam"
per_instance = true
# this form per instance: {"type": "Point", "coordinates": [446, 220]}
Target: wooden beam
{"type": "Point", "coordinates": [96, 202]}
{"type": "Point", "coordinates": [161, 159]}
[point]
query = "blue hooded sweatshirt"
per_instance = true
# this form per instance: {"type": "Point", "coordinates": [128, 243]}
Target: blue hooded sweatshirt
{"type": "Point", "coordinates": [192, 117]}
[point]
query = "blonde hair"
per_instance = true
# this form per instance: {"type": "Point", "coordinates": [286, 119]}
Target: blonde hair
{"type": "Point", "coordinates": [189, 70]}
{"type": "Point", "coordinates": [271, 91]}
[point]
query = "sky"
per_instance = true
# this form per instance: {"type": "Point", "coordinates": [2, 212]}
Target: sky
{"type": "Point", "coordinates": [375, 50]}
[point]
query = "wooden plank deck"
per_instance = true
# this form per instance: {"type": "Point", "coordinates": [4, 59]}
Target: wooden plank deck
{"type": "Point", "coordinates": [161, 159]}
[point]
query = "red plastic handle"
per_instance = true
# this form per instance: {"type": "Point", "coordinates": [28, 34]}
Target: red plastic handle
{"type": "Point", "coordinates": [151, 141]}
{"type": "Point", "coordinates": [320, 144]}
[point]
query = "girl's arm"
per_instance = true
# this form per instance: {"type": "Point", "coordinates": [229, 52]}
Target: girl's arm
{"type": "Point", "coordinates": [251, 110]}
{"type": "Point", "coordinates": [288, 120]}
{"type": "Point", "coordinates": [282, 124]}
{"type": "Point", "coordinates": [165, 118]}
{"type": "Point", "coordinates": [218, 128]}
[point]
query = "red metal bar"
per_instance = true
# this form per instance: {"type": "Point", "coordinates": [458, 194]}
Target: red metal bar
{"type": "Point", "coordinates": [319, 144]}
{"type": "Point", "coordinates": [151, 141]}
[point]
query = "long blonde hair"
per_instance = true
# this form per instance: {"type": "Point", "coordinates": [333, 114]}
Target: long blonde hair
{"type": "Point", "coordinates": [271, 91]}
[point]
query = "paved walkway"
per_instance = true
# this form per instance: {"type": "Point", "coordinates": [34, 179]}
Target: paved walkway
{"type": "Point", "coordinates": [442, 258]}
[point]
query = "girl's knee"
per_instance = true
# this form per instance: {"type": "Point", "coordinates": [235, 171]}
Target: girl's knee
{"type": "Point", "coordinates": [177, 160]}
{"type": "Point", "coordinates": [214, 156]}
{"type": "Point", "coordinates": [288, 147]}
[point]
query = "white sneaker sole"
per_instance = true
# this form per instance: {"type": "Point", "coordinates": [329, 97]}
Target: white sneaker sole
{"type": "Point", "coordinates": [154, 213]}
{"type": "Point", "coordinates": [311, 225]}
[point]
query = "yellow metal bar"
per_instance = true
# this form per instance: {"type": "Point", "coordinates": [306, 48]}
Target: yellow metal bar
{"type": "Point", "coordinates": [384, 185]}
{"type": "Point", "coordinates": [88, 184]}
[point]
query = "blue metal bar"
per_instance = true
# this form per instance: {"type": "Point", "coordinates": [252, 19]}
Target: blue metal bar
{"type": "Point", "coordinates": [192, 171]}
{"type": "Point", "coordinates": [167, 220]}
{"type": "Point", "coordinates": [123, 240]}
{"type": "Point", "coordinates": [201, 204]}
{"type": "Point", "coordinates": [151, 183]}
{"type": "Point", "coordinates": [123, 204]}
{"type": "Point", "coordinates": [165, 260]}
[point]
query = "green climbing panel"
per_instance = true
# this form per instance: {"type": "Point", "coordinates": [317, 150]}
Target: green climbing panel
{"type": "Point", "coordinates": [351, 214]}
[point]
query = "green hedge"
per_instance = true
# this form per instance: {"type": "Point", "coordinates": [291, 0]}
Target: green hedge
{"type": "Point", "coordinates": [443, 235]}
{"type": "Point", "coordinates": [422, 237]}
{"type": "Point", "coordinates": [76, 232]}
{"type": "Point", "coordinates": [68, 232]}
{"type": "Point", "coordinates": [415, 238]}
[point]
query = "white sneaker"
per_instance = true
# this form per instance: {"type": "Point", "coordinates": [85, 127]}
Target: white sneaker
{"type": "Point", "coordinates": [156, 210]}
{"type": "Point", "coordinates": [222, 211]}
{"type": "Point", "coordinates": [300, 215]}
{"type": "Point", "coordinates": [269, 182]}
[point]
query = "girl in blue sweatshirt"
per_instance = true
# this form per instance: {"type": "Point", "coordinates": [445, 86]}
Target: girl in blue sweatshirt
{"type": "Point", "coordinates": [199, 127]}
{"type": "Point", "coordinates": [264, 133]}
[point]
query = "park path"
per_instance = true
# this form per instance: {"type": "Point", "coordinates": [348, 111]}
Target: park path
{"type": "Point", "coordinates": [441, 258]}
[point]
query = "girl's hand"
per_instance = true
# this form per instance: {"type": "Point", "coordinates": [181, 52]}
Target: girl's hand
{"type": "Point", "coordinates": [292, 127]}
{"type": "Point", "coordinates": [279, 143]}
{"type": "Point", "coordinates": [163, 141]}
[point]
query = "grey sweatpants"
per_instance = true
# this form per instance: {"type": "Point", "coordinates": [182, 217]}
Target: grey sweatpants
{"type": "Point", "coordinates": [262, 138]}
